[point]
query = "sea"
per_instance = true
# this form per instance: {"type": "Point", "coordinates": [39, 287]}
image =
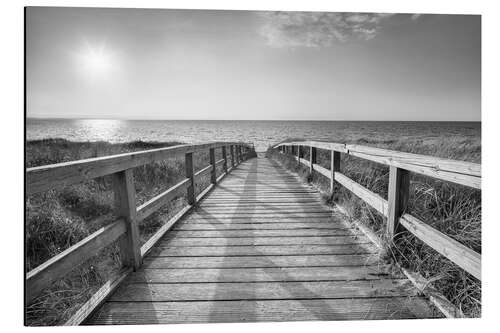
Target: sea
{"type": "Point", "coordinates": [261, 133]}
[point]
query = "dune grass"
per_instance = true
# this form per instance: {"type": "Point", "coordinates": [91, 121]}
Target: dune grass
{"type": "Point", "coordinates": [57, 219]}
{"type": "Point", "coordinates": [452, 209]}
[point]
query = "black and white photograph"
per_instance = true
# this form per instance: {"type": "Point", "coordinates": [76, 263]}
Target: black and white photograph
{"type": "Point", "coordinates": [209, 166]}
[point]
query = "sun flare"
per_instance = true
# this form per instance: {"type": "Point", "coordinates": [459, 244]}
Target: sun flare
{"type": "Point", "coordinates": [96, 61]}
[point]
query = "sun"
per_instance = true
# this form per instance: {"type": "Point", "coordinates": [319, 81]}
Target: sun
{"type": "Point", "coordinates": [96, 61]}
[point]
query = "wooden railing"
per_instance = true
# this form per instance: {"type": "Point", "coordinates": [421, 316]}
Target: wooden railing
{"type": "Point", "coordinates": [125, 229]}
{"type": "Point", "coordinates": [400, 164]}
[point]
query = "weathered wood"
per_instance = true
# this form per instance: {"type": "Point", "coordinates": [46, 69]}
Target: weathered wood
{"type": "Point", "coordinates": [458, 253]}
{"type": "Point", "coordinates": [399, 193]}
{"type": "Point", "coordinates": [190, 175]}
{"type": "Point", "coordinates": [98, 298]}
{"type": "Point", "coordinates": [233, 164]}
{"type": "Point", "coordinates": [262, 233]}
{"type": "Point", "coordinates": [213, 175]}
{"type": "Point", "coordinates": [269, 274]}
{"type": "Point", "coordinates": [334, 166]}
{"type": "Point", "coordinates": [224, 157]}
{"type": "Point", "coordinates": [373, 199]}
{"type": "Point", "coordinates": [312, 158]}
{"type": "Point", "coordinates": [262, 261]}
{"type": "Point", "coordinates": [149, 207]}
{"type": "Point", "coordinates": [266, 250]}
{"type": "Point", "coordinates": [263, 290]}
{"type": "Point", "coordinates": [263, 311]}
{"type": "Point", "coordinates": [460, 172]}
{"type": "Point", "coordinates": [437, 298]}
{"type": "Point", "coordinates": [125, 206]}
{"type": "Point", "coordinates": [46, 177]}
{"type": "Point", "coordinates": [61, 264]}
{"type": "Point", "coordinates": [245, 225]}
{"type": "Point", "coordinates": [258, 241]}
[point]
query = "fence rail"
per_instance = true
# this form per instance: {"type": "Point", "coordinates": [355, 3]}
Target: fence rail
{"type": "Point", "coordinates": [394, 208]}
{"type": "Point", "coordinates": [125, 228]}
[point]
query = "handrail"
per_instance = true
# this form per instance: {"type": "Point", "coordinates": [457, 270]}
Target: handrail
{"type": "Point", "coordinates": [461, 172]}
{"type": "Point", "coordinates": [47, 177]}
{"type": "Point", "coordinates": [125, 228]}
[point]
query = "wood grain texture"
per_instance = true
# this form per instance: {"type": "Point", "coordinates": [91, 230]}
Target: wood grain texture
{"type": "Point", "coordinates": [261, 240]}
{"type": "Point", "coordinates": [46, 177]}
{"type": "Point", "coordinates": [461, 255]}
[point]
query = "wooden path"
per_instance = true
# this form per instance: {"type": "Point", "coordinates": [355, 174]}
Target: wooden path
{"type": "Point", "coordinates": [262, 247]}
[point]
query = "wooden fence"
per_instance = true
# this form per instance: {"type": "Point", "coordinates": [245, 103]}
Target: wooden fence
{"type": "Point", "coordinates": [125, 229]}
{"type": "Point", "coordinates": [400, 165]}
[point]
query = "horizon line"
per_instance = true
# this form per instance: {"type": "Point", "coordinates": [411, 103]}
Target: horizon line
{"type": "Point", "coordinates": [172, 119]}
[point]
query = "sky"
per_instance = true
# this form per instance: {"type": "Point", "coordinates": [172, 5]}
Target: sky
{"type": "Point", "coordinates": [194, 64]}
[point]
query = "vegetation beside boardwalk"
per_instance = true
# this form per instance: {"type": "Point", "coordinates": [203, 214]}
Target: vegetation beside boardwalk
{"type": "Point", "coordinates": [57, 219]}
{"type": "Point", "coordinates": [452, 209]}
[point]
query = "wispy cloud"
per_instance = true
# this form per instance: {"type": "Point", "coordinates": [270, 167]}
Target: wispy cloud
{"type": "Point", "coordinates": [316, 29]}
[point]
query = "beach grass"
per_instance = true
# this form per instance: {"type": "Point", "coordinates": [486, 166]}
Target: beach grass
{"type": "Point", "coordinates": [452, 209]}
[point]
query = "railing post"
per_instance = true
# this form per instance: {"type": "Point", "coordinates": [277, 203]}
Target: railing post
{"type": "Point", "coordinates": [224, 156]}
{"type": "Point", "coordinates": [334, 166]}
{"type": "Point", "coordinates": [312, 158]}
{"type": "Point", "coordinates": [190, 174]}
{"type": "Point", "coordinates": [231, 150]}
{"type": "Point", "coordinates": [298, 154]}
{"type": "Point", "coordinates": [125, 205]}
{"type": "Point", "coordinates": [213, 177]}
{"type": "Point", "coordinates": [399, 192]}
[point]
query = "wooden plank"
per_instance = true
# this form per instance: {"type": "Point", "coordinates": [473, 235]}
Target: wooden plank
{"type": "Point", "coordinates": [231, 251]}
{"type": "Point", "coordinates": [270, 274]}
{"type": "Point", "coordinates": [158, 201]}
{"type": "Point", "coordinates": [263, 233]}
{"type": "Point", "coordinates": [261, 261]}
{"type": "Point", "coordinates": [458, 253]}
{"type": "Point", "coordinates": [324, 171]}
{"type": "Point", "coordinates": [373, 199]}
{"type": "Point", "coordinates": [317, 144]}
{"type": "Point", "coordinates": [437, 298]}
{"type": "Point", "coordinates": [312, 158]}
{"type": "Point", "coordinates": [262, 219]}
{"type": "Point", "coordinates": [334, 166]}
{"type": "Point", "coordinates": [125, 206]}
{"type": "Point", "coordinates": [190, 175]}
{"type": "Point", "coordinates": [429, 166]}
{"type": "Point", "coordinates": [97, 299]}
{"type": "Point", "coordinates": [263, 311]}
{"type": "Point", "coordinates": [263, 290]}
{"type": "Point", "coordinates": [243, 215]}
{"type": "Point", "coordinates": [258, 226]}
{"type": "Point", "coordinates": [398, 196]}
{"type": "Point", "coordinates": [62, 263]}
{"type": "Point", "coordinates": [224, 157]}
{"type": "Point", "coordinates": [43, 178]}
{"type": "Point", "coordinates": [258, 241]}
{"type": "Point", "coordinates": [213, 176]}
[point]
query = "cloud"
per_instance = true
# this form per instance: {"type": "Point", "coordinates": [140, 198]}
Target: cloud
{"type": "Point", "coordinates": [317, 29]}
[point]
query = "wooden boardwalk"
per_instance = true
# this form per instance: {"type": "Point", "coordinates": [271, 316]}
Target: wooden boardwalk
{"type": "Point", "coordinates": [262, 247]}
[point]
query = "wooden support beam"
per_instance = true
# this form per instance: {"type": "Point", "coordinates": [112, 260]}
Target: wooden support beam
{"type": "Point", "coordinates": [312, 159]}
{"type": "Point", "coordinates": [334, 166]}
{"type": "Point", "coordinates": [125, 205]}
{"type": "Point", "coordinates": [399, 192]}
{"type": "Point", "coordinates": [213, 176]}
{"type": "Point", "coordinates": [224, 156]}
{"type": "Point", "coordinates": [231, 150]}
{"type": "Point", "coordinates": [190, 175]}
